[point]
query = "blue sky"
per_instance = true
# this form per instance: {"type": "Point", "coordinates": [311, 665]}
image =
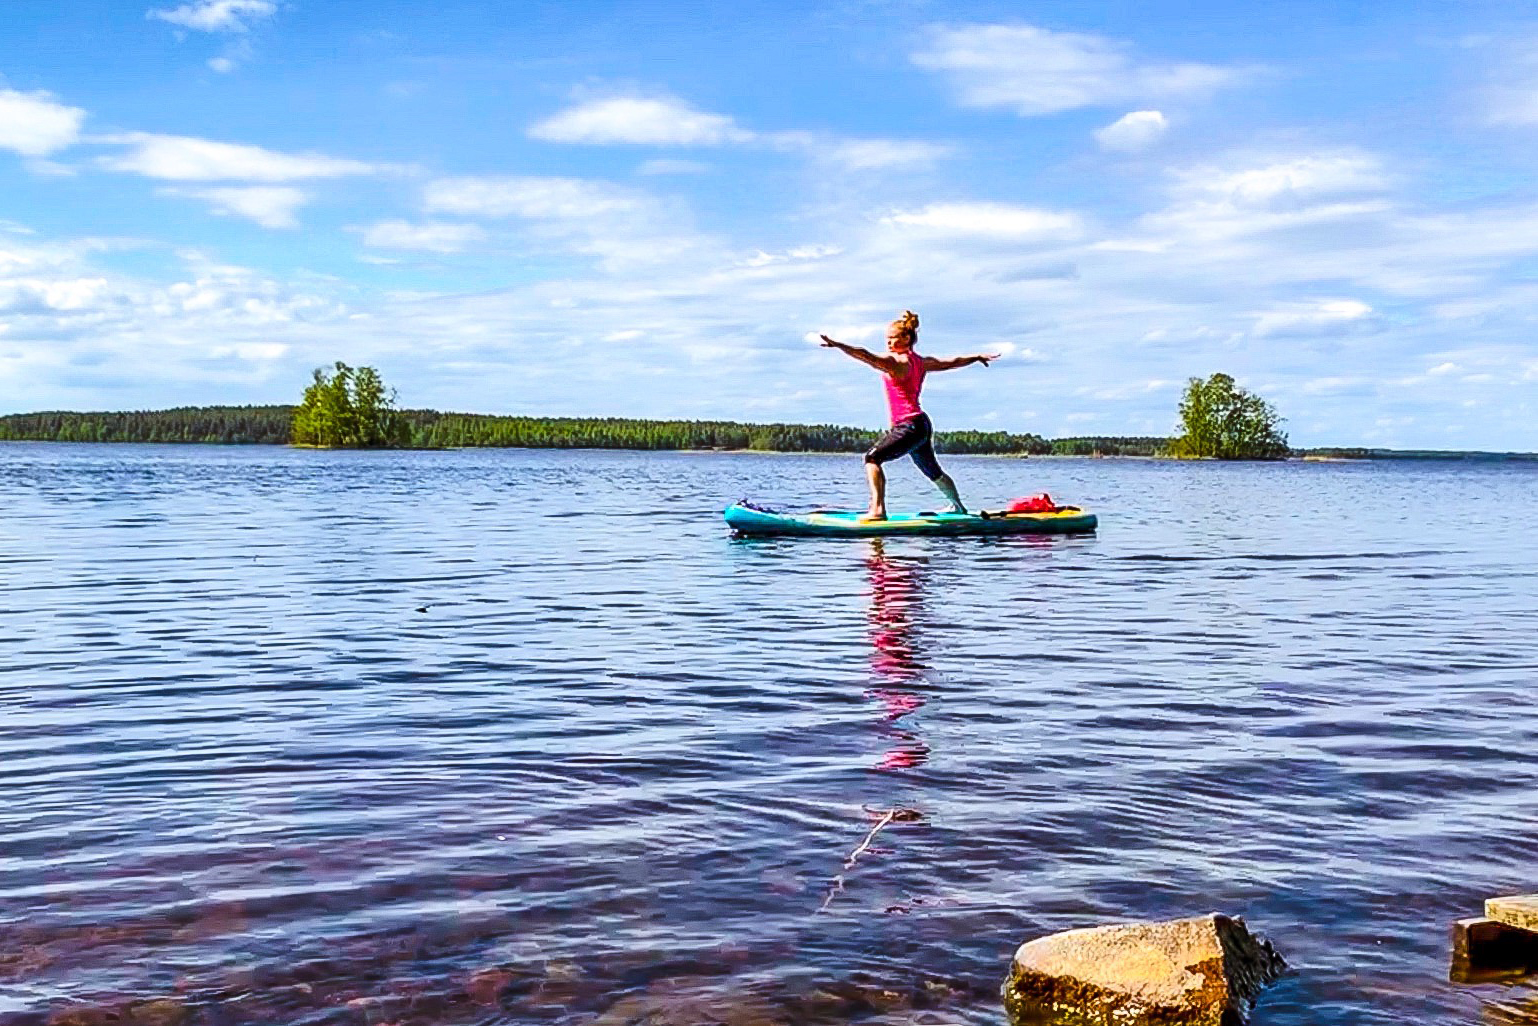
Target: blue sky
{"type": "Point", "coordinates": [652, 209]}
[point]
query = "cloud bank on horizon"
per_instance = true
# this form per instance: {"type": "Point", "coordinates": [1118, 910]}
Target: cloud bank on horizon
{"type": "Point", "coordinates": [585, 209]}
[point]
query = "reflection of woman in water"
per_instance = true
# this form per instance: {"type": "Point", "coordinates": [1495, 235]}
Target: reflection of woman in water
{"type": "Point", "coordinates": [895, 672]}
{"type": "Point", "coordinates": [895, 664]}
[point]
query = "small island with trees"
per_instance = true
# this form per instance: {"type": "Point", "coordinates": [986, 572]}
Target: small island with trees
{"type": "Point", "coordinates": [1222, 421]}
{"type": "Point", "coordinates": [349, 409]}
{"type": "Point", "coordinates": [352, 408]}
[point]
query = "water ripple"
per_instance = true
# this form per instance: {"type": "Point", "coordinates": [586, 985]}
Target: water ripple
{"type": "Point", "coordinates": [479, 737]}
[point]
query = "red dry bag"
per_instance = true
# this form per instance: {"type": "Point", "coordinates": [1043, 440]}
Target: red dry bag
{"type": "Point", "coordinates": [1035, 504]}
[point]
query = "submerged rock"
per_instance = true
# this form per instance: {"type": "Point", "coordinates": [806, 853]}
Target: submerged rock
{"type": "Point", "coordinates": [1203, 971]}
{"type": "Point", "coordinates": [486, 986]}
{"type": "Point", "coordinates": [159, 1012]}
{"type": "Point", "coordinates": [691, 1002]}
{"type": "Point", "coordinates": [152, 1012]}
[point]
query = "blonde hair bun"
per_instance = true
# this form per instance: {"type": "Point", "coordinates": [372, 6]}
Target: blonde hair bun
{"type": "Point", "coordinates": [908, 322]}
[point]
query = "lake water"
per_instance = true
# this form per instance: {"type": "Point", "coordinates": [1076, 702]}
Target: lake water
{"type": "Point", "coordinates": [526, 737]}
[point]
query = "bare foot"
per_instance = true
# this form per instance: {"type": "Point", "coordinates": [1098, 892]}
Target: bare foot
{"type": "Point", "coordinates": [870, 515]}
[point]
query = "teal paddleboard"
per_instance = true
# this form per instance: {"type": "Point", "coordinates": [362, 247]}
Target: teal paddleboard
{"type": "Point", "coordinates": [750, 520]}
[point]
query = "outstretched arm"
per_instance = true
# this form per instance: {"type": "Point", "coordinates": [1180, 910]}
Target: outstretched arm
{"type": "Point", "coordinates": [885, 364]}
{"type": "Point", "coordinates": [932, 363]}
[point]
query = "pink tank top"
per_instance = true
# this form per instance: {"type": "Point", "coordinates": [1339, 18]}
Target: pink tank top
{"type": "Point", "coordinates": [902, 397]}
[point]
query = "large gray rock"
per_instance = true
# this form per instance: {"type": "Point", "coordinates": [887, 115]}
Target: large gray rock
{"type": "Point", "coordinates": [1203, 971]}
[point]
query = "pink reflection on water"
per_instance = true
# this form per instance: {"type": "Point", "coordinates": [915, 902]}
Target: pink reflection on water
{"type": "Point", "coordinates": [895, 600]}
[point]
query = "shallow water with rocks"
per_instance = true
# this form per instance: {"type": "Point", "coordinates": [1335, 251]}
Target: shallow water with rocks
{"type": "Point", "coordinates": [516, 736]}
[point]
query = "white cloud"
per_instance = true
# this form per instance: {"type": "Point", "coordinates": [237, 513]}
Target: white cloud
{"type": "Point", "coordinates": [846, 332]}
{"type": "Point", "coordinates": [1256, 195]}
{"type": "Point", "coordinates": [992, 219]}
{"type": "Point", "coordinates": [235, 54]}
{"type": "Point", "coordinates": [177, 158]}
{"type": "Point", "coordinates": [1127, 390]}
{"type": "Point", "coordinates": [216, 15]}
{"type": "Point", "coordinates": [668, 121]}
{"type": "Point", "coordinates": [876, 154]}
{"type": "Point", "coordinates": [1133, 131]}
{"type": "Point", "coordinates": [669, 166]}
{"type": "Point", "coordinates": [50, 296]}
{"type": "Point", "coordinates": [1300, 178]}
{"type": "Point", "coordinates": [1336, 384]}
{"type": "Point", "coordinates": [1036, 71]}
{"type": "Point", "coordinates": [639, 120]}
{"type": "Point", "coordinates": [271, 206]}
{"type": "Point", "coordinates": [1510, 96]}
{"type": "Point", "coordinates": [533, 198]}
{"type": "Point", "coordinates": [87, 338]}
{"type": "Point", "coordinates": [1313, 315]}
{"type": "Point", "coordinates": [433, 237]}
{"type": "Point", "coordinates": [624, 228]}
{"type": "Point", "coordinates": [850, 155]}
{"type": "Point", "coordinates": [51, 168]}
{"type": "Point", "coordinates": [35, 124]}
{"type": "Point", "coordinates": [1444, 368]}
{"type": "Point", "coordinates": [795, 254]}
{"type": "Point", "coordinates": [1513, 105]}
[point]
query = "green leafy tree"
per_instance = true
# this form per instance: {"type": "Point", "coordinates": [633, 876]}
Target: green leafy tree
{"type": "Point", "coordinates": [349, 409]}
{"type": "Point", "coordinates": [377, 421]}
{"type": "Point", "coordinates": [1222, 421]}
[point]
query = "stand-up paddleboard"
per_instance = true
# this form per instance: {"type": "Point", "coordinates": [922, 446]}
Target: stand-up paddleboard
{"type": "Point", "coordinates": [745, 518]}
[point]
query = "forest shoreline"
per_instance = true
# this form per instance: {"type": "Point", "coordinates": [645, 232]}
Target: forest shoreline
{"type": "Point", "coordinates": [433, 430]}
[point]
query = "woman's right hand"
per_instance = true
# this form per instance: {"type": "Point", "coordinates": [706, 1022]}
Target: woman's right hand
{"type": "Point", "coordinates": [826, 342]}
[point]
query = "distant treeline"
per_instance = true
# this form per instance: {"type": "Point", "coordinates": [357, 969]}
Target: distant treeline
{"type": "Point", "coordinates": [273, 425]}
{"type": "Point", "coordinates": [1333, 452]}
{"type": "Point", "coordinates": [432, 429]}
{"type": "Point", "coordinates": [1136, 445]}
{"type": "Point", "coordinates": [220, 425]}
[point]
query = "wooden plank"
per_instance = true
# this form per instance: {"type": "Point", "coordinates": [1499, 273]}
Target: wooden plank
{"type": "Point", "coordinates": [1518, 910]}
{"type": "Point", "coordinates": [1485, 951]}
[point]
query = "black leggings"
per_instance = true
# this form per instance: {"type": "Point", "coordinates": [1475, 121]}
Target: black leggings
{"type": "Point", "coordinates": [913, 437]}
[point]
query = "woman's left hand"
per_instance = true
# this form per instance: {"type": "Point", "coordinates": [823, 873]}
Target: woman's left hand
{"type": "Point", "coordinates": [986, 358]}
